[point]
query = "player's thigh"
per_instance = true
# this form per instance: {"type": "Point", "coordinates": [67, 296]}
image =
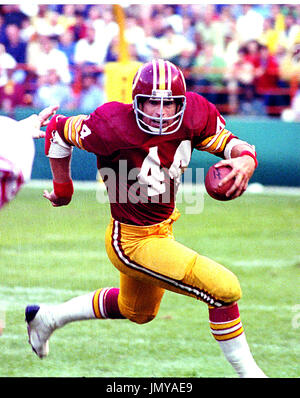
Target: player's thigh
{"type": "Point", "coordinates": [166, 263]}
{"type": "Point", "coordinates": [212, 282]}
{"type": "Point", "coordinates": [138, 301]}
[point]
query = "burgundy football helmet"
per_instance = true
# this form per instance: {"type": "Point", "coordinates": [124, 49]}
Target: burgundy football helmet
{"type": "Point", "coordinates": [162, 81]}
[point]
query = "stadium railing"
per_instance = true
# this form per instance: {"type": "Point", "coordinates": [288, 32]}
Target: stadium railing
{"type": "Point", "coordinates": [228, 104]}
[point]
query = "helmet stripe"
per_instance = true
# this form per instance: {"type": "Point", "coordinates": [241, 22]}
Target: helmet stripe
{"type": "Point", "coordinates": [183, 79]}
{"type": "Point", "coordinates": [154, 75]}
{"type": "Point", "coordinates": [169, 75]}
{"type": "Point", "coordinates": [137, 77]}
{"type": "Point", "coordinates": [162, 74]}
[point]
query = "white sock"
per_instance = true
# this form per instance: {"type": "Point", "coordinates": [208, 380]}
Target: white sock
{"type": "Point", "coordinates": [227, 329]}
{"type": "Point", "coordinates": [77, 309]}
{"type": "Point", "coordinates": [238, 354]}
{"type": "Point", "coordinates": [101, 304]}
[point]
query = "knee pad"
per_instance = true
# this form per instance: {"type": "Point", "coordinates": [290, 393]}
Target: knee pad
{"type": "Point", "coordinates": [216, 280]}
{"type": "Point", "coordinates": [141, 318]}
{"type": "Point", "coordinates": [137, 317]}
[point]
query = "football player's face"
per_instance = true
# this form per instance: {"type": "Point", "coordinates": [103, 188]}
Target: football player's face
{"type": "Point", "coordinates": [152, 107]}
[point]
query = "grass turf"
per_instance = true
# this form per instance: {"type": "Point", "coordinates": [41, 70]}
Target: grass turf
{"type": "Point", "coordinates": [49, 255]}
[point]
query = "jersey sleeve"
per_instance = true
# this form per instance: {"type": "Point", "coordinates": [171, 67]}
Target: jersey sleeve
{"type": "Point", "coordinates": [214, 136]}
{"type": "Point", "coordinates": [87, 132]}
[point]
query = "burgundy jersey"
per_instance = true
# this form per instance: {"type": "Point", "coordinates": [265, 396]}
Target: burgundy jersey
{"type": "Point", "coordinates": [142, 171]}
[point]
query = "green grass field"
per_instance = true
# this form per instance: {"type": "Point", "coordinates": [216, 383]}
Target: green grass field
{"type": "Point", "coordinates": [48, 255]}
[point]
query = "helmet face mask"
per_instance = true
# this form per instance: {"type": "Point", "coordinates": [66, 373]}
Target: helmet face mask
{"type": "Point", "coordinates": [163, 82]}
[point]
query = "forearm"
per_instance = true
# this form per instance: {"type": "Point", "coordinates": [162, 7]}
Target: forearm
{"type": "Point", "coordinates": [62, 182]}
{"type": "Point", "coordinates": [61, 169]}
{"type": "Point", "coordinates": [59, 154]}
{"type": "Point", "coordinates": [244, 149]}
{"type": "Point", "coordinates": [236, 148]}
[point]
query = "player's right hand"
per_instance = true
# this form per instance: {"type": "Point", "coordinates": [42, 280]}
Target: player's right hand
{"type": "Point", "coordinates": [55, 200]}
{"type": "Point", "coordinates": [46, 113]}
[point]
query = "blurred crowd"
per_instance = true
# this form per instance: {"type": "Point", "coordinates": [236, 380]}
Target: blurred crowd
{"type": "Point", "coordinates": [244, 58]}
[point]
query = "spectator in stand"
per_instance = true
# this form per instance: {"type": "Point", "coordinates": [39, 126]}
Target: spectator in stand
{"type": "Point", "coordinates": [67, 17]}
{"type": "Point", "coordinates": [12, 91]}
{"type": "Point", "coordinates": [172, 18]}
{"type": "Point", "coordinates": [2, 29]}
{"type": "Point", "coordinates": [12, 14]}
{"type": "Point", "coordinates": [249, 24]}
{"type": "Point", "coordinates": [7, 62]}
{"type": "Point", "coordinates": [112, 54]}
{"type": "Point", "coordinates": [211, 68]}
{"type": "Point", "coordinates": [267, 73]}
{"type": "Point", "coordinates": [88, 50]}
{"type": "Point", "coordinates": [51, 25]}
{"type": "Point", "coordinates": [240, 80]}
{"type": "Point", "coordinates": [39, 21]}
{"type": "Point", "coordinates": [14, 45]}
{"type": "Point", "coordinates": [51, 90]}
{"type": "Point", "coordinates": [290, 66]}
{"type": "Point", "coordinates": [188, 28]}
{"type": "Point", "coordinates": [91, 95]}
{"type": "Point", "coordinates": [158, 25]}
{"type": "Point", "coordinates": [253, 55]}
{"type": "Point", "coordinates": [266, 79]}
{"type": "Point", "coordinates": [79, 27]}
{"type": "Point", "coordinates": [185, 60]}
{"type": "Point", "coordinates": [290, 33]}
{"type": "Point", "coordinates": [12, 94]}
{"type": "Point", "coordinates": [172, 44]}
{"type": "Point", "coordinates": [47, 56]}
{"type": "Point", "coordinates": [270, 36]}
{"type": "Point", "coordinates": [66, 44]}
{"type": "Point", "coordinates": [27, 32]}
{"type": "Point", "coordinates": [207, 25]}
{"type": "Point", "coordinates": [230, 49]}
{"type": "Point", "coordinates": [135, 35]}
{"type": "Point", "coordinates": [103, 21]}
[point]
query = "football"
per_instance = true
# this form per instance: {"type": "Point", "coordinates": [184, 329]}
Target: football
{"type": "Point", "coordinates": [212, 180]}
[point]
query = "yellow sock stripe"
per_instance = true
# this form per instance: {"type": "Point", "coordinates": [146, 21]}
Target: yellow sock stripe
{"type": "Point", "coordinates": [162, 74]}
{"type": "Point", "coordinates": [224, 337]}
{"type": "Point", "coordinates": [96, 304]}
{"type": "Point", "coordinates": [225, 325]}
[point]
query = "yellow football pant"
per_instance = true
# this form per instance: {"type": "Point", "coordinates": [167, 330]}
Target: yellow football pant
{"type": "Point", "coordinates": [150, 260]}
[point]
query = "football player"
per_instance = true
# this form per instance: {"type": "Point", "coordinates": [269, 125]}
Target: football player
{"type": "Point", "coordinates": [153, 140]}
{"type": "Point", "coordinates": [17, 150]}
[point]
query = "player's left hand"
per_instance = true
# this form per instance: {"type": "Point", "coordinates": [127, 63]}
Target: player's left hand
{"type": "Point", "coordinates": [242, 170]}
{"type": "Point", "coordinates": [55, 200]}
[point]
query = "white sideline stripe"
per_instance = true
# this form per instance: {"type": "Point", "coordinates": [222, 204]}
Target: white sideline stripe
{"type": "Point", "coordinates": [263, 262]}
{"type": "Point", "coordinates": [187, 187]}
{"type": "Point", "coordinates": [98, 255]}
{"type": "Point", "coordinates": [20, 296]}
